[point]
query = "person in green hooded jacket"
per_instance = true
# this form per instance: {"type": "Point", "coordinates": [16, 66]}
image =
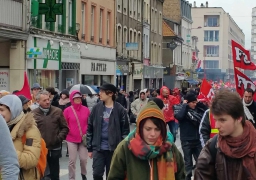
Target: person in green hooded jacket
{"type": "Point", "coordinates": [149, 152]}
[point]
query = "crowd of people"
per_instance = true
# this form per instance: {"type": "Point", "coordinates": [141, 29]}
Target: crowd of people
{"type": "Point", "coordinates": [219, 134]}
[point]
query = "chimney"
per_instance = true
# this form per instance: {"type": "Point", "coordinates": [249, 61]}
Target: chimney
{"type": "Point", "coordinates": [194, 3]}
{"type": "Point", "coordinates": [202, 4]}
{"type": "Point", "coordinates": [206, 4]}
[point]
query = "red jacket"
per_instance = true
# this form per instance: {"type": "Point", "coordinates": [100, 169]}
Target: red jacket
{"type": "Point", "coordinates": [168, 103]}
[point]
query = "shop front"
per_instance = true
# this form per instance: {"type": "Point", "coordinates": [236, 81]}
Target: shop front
{"type": "Point", "coordinates": [122, 71]}
{"type": "Point", "coordinates": [137, 80]}
{"type": "Point", "coordinates": [43, 62]}
{"type": "Point", "coordinates": [153, 77]}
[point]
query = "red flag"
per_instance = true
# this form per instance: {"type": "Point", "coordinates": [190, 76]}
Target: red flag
{"type": "Point", "coordinates": [243, 82]}
{"type": "Point", "coordinates": [25, 91]}
{"type": "Point", "coordinates": [206, 90]}
{"type": "Point", "coordinates": [241, 57]}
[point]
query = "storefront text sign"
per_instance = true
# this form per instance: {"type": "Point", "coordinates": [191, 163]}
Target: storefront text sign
{"type": "Point", "coordinates": [98, 67]}
{"type": "Point", "coordinates": [70, 54]}
{"type": "Point", "coordinates": [4, 79]}
{"type": "Point", "coordinates": [50, 54]}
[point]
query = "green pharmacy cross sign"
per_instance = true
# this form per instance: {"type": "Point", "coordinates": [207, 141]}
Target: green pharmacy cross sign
{"type": "Point", "coordinates": [50, 8]}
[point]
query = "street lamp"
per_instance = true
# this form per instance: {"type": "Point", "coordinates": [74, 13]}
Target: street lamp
{"type": "Point", "coordinates": [199, 27]}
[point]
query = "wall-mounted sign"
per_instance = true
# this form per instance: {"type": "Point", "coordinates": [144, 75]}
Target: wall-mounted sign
{"type": "Point", "coordinates": [50, 54]}
{"type": "Point", "coordinates": [70, 54]}
{"type": "Point", "coordinates": [4, 79]}
{"type": "Point", "coordinates": [132, 46]}
{"type": "Point", "coordinates": [35, 53]}
{"type": "Point", "coordinates": [122, 68]}
{"type": "Point", "coordinates": [98, 67]}
{"type": "Point", "coordinates": [50, 9]}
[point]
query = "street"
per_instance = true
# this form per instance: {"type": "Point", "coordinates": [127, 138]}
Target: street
{"type": "Point", "coordinates": [64, 162]}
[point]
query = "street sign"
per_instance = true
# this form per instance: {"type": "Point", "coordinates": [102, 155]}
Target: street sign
{"type": "Point", "coordinates": [50, 9]}
{"type": "Point", "coordinates": [34, 53]}
{"type": "Point", "coordinates": [132, 46]}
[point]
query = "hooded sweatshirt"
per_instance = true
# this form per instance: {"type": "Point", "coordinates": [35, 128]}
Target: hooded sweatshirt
{"type": "Point", "coordinates": [138, 104]}
{"type": "Point", "coordinates": [83, 114]}
{"type": "Point", "coordinates": [168, 103]}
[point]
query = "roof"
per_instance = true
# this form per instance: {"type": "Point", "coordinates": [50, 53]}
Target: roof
{"type": "Point", "coordinates": [167, 30]}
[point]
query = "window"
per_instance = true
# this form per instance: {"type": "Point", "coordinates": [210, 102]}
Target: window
{"type": "Point", "coordinates": [211, 64]}
{"type": "Point", "coordinates": [147, 47]}
{"type": "Point", "coordinates": [125, 6]}
{"type": "Point", "coordinates": [151, 56]}
{"type": "Point", "coordinates": [212, 21]}
{"type": "Point", "coordinates": [119, 5]}
{"type": "Point", "coordinates": [59, 20]}
{"type": "Point", "coordinates": [211, 35]}
{"type": "Point", "coordinates": [139, 10]}
{"type": "Point", "coordinates": [152, 20]}
{"type": "Point", "coordinates": [139, 46]}
{"type": "Point", "coordinates": [145, 11]}
{"type": "Point", "coordinates": [159, 53]}
{"type": "Point", "coordinates": [125, 39]}
{"type": "Point", "coordinates": [135, 41]}
{"type": "Point", "coordinates": [119, 39]}
{"type": "Point", "coordinates": [134, 8]}
{"type": "Point", "coordinates": [160, 23]}
{"type": "Point", "coordinates": [108, 28]}
{"type": "Point", "coordinates": [155, 55]}
{"type": "Point", "coordinates": [211, 51]}
{"type": "Point", "coordinates": [83, 20]}
{"type": "Point", "coordinates": [130, 41]}
{"type": "Point", "coordinates": [130, 8]}
{"type": "Point", "coordinates": [101, 25]}
{"type": "Point", "coordinates": [70, 17]}
{"type": "Point", "coordinates": [92, 22]}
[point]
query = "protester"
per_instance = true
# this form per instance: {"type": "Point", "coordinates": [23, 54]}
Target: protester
{"type": "Point", "coordinates": [64, 100]}
{"type": "Point", "coordinates": [35, 89]}
{"type": "Point", "coordinates": [54, 96]}
{"type": "Point", "coordinates": [230, 154]}
{"type": "Point", "coordinates": [189, 118]}
{"type": "Point", "coordinates": [25, 104]}
{"type": "Point", "coordinates": [108, 126]}
{"type": "Point", "coordinates": [91, 101]}
{"type": "Point", "coordinates": [149, 151]}
{"type": "Point", "coordinates": [22, 125]}
{"type": "Point", "coordinates": [249, 106]}
{"type": "Point", "coordinates": [8, 157]}
{"type": "Point", "coordinates": [54, 129]}
{"type": "Point", "coordinates": [77, 119]}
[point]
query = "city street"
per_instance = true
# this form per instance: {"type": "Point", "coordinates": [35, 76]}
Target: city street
{"type": "Point", "coordinates": [64, 162]}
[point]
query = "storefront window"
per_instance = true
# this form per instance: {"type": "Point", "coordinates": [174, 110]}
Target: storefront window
{"type": "Point", "coordinates": [89, 79]}
{"type": "Point", "coordinates": [105, 79]}
{"type": "Point", "coordinates": [46, 78]}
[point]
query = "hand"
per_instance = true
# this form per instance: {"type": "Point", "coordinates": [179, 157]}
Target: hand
{"type": "Point", "coordinates": [90, 154]}
{"type": "Point", "coordinates": [185, 101]}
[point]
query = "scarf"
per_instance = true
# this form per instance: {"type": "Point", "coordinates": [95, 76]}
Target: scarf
{"type": "Point", "coordinates": [64, 101]}
{"type": "Point", "coordinates": [16, 120]}
{"type": "Point", "coordinates": [243, 146]}
{"type": "Point", "coordinates": [166, 163]}
{"type": "Point", "coordinates": [45, 111]}
{"type": "Point", "coordinates": [247, 111]}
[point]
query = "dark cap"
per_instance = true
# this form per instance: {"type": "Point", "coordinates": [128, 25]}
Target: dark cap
{"type": "Point", "coordinates": [36, 86]}
{"type": "Point", "coordinates": [190, 97]}
{"type": "Point", "coordinates": [23, 99]}
{"type": "Point", "coordinates": [108, 87]}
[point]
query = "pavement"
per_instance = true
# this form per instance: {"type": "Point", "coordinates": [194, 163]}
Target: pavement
{"type": "Point", "coordinates": [64, 162]}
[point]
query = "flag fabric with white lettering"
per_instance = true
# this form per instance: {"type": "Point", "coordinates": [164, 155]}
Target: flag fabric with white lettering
{"type": "Point", "coordinates": [241, 57]}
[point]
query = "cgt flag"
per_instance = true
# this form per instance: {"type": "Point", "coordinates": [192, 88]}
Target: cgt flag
{"type": "Point", "coordinates": [25, 91]}
{"type": "Point", "coordinates": [206, 90]}
{"type": "Point", "coordinates": [241, 57]}
{"type": "Point", "coordinates": [243, 82]}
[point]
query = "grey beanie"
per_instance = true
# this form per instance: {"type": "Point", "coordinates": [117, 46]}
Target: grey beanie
{"type": "Point", "coordinates": [14, 104]}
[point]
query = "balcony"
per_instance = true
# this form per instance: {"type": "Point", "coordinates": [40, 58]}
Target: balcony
{"type": "Point", "coordinates": [11, 14]}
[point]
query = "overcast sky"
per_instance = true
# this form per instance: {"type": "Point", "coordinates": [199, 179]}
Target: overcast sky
{"type": "Point", "coordinates": [240, 10]}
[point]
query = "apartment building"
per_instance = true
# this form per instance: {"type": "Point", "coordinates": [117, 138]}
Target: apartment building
{"type": "Point", "coordinates": [13, 36]}
{"type": "Point", "coordinates": [253, 41]}
{"type": "Point", "coordinates": [214, 41]}
{"type": "Point", "coordinates": [129, 40]}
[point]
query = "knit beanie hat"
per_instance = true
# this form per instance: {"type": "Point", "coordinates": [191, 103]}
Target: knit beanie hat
{"type": "Point", "coordinates": [158, 102]}
{"type": "Point", "coordinates": [190, 97]}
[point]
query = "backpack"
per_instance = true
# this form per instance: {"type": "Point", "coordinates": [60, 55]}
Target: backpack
{"type": "Point", "coordinates": [42, 162]}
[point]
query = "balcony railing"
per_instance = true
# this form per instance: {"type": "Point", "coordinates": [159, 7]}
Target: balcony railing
{"type": "Point", "coordinates": [11, 13]}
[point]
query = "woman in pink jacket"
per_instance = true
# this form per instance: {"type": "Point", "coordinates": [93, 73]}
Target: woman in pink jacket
{"type": "Point", "coordinates": [77, 118]}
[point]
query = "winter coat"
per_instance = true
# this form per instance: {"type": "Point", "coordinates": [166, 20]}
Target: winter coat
{"type": "Point", "coordinates": [222, 168]}
{"type": "Point", "coordinates": [138, 104]}
{"type": "Point", "coordinates": [122, 100]}
{"type": "Point", "coordinates": [168, 104]}
{"type": "Point", "coordinates": [28, 154]}
{"type": "Point", "coordinates": [53, 126]}
{"type": "Point", "coordinates": [118, 126]}
{"type": "Point", "coordinates": [91, 102]}
{"type": "Point", "coordinates": [188, 131]}
{"type": "Point", "coordinates": [83, 114]}
{"type": "Point", "coordinates": [8, 157]}
{"type": "Point", "coordinates": [205, 128]}
{"type": "Point", "coordinates": [138, 169]}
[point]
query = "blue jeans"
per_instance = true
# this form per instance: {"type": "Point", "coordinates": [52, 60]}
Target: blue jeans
{"type": "Point", "coordinates": [172, 127]}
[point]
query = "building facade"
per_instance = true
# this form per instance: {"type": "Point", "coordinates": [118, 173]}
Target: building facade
{"type": "Point", "coordinates": [129, 37]}
{"type": "Point", "coordinates": [214, 41]}
{"type": "Point", "coordinates": [253, 40]}
{"type": "Point", "coordinates": [97, 41]}
{"type": "Point", "coordinates": [13, 37]}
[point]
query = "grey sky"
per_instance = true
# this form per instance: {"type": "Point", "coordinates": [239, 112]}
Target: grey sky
{"type": "Point", "coordinates": [240, 10]}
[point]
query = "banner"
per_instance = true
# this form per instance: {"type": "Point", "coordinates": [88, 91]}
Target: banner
{"type": "Point", "coordinates": [241, 57]}
{"type": "Point", "coordinates": [206, 90]}
{"type": "Point", "coordinates": [242, 82]}
{"type": "Point", "coordinates": [25, 91]}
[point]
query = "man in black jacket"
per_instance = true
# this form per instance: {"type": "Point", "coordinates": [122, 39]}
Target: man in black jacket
{"type": "Point", "coordinates": [108, 125]}
{"type": "Point", "coordinates": [189, 118]}
{"type": "Point", "coordinates": [121, 99]}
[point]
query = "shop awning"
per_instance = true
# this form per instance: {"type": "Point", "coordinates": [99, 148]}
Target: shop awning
{"type": "Point", "coordinates": [192, 81]}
